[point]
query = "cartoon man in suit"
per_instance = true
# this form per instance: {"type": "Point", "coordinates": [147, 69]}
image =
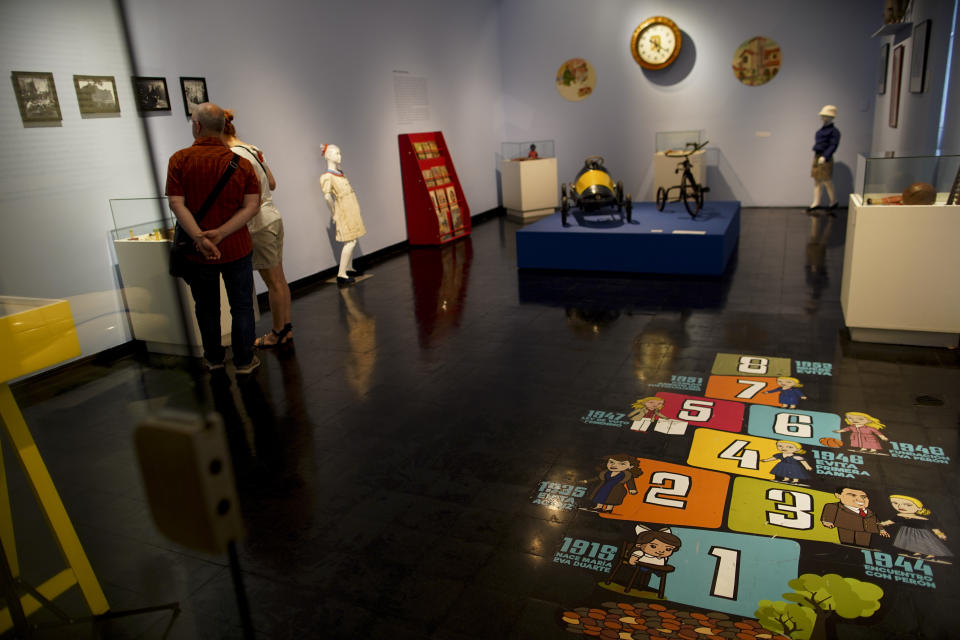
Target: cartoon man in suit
{"type": "Point", "coordinates": [854, 521]}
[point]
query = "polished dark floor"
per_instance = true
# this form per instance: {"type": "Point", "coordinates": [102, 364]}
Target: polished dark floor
{"type": "Point", "coordinates": [386, 462]}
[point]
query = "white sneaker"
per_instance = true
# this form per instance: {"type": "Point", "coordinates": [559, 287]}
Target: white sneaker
{"type": "Point", "coordinates": [252, 366]}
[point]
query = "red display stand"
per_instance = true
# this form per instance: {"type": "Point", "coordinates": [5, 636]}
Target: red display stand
{"type": "Point", "coordinates": [437, 211]}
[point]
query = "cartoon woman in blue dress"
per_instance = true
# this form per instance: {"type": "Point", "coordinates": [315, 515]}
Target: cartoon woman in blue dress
{"type": "Point", "coordinates": [615, 483]}
{"type": "Point", "coordinates": [789, 390]}
{"type": "Point", "coordinates": [791, 466]}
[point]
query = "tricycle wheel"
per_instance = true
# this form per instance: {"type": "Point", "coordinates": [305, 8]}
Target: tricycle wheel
{"type": "Point", "coordinates": [692, 194]}
{"type": "Point", "coordinates": [628, 205]}
{"type": "Point", "coordinates": [661, 198]}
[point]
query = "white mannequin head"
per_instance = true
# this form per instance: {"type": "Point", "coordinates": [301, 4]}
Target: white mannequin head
{"type": "Point", "coordinates": [332, 154]}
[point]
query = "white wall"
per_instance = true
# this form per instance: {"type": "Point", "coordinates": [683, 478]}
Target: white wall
{"type": "Point", "coordinates": [827, 58]}
{"type": "Point", "coordinates": [919, 117]}
{"type": "Point", "coordinates": [55, 181]}
{"type": "Point", "coordinates": [299, 73]}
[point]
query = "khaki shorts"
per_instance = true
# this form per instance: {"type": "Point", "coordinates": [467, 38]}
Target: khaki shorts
{"type": "Point", "coordinates": [268, 246]}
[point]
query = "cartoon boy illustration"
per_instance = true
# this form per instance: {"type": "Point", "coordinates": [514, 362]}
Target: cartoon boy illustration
{"type": "Point", "coordinates": [646, 412]}
{"type": "Point", "coordinates": [854, 521]}
{"type": "Point", "coordinates": [789, 390]}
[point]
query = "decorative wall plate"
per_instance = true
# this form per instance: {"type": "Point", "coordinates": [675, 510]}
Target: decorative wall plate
{"type": "Point", "coordinates": [756, 61]}
{"type": "Point", "coordinates": [576, 79]}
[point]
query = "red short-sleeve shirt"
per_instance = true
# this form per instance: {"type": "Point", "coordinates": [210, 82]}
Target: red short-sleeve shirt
{"type": "Point", "coordinates": [194, 172]}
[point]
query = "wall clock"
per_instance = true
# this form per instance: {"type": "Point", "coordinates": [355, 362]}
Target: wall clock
{"type": "Point", "coordinates": [656, 43]}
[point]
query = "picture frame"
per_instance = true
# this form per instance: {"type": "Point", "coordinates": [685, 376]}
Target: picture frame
{"type": "Point", "coordinates": [36, 96]}
{"type": "Point", "coordinates": [882, 69]}
{"type": "Point", "coordinates": [96, 94]}
{"type": "Point", "coordinates": [896, 67]}
{"type": "Point", "coordinates": [151, 94]}
{"type": "Point", "coordinates": [194, 93]}
{"type": "Point", "coordinates": [918, 56]}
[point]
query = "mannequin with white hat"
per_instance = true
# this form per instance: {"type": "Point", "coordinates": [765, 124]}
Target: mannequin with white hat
{"type": "Point", "coordinates": [346, 212]}
{"type": "Point", "coordinates": [827, 140]}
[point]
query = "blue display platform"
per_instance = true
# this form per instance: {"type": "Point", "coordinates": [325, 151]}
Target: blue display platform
{"type": "Point", "coordinates": [667, 241]}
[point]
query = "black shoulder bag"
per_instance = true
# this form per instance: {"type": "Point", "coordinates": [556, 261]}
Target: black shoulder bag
{"type": "Point", "coordinates": [183, 244]}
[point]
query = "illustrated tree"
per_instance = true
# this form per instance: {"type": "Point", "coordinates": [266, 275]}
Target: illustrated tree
{"type": "Point", "coordinates": [817, 602]}
{"type": "Point", "coordinates": [787, 618]}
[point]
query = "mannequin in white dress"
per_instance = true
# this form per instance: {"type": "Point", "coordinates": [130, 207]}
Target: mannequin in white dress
{"type": "Point", "coordinates": [346, 212]}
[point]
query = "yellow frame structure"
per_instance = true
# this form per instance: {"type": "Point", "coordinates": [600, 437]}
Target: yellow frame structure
{"type": "Point", "coordinates": [38, 334]}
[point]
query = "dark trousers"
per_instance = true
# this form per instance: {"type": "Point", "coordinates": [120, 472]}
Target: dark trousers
{"type": "Point", "coordinates": [204, 281]}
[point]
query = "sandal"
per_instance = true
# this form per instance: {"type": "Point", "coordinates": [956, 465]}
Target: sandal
{"type": "Point", "coordinates": [281, 337]}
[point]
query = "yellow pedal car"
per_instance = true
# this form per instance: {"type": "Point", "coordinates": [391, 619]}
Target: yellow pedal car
{"type": "Point", "coordinates": [594, 189]}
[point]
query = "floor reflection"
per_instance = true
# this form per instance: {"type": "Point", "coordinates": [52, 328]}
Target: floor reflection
{"type": "Point", "coordinates": [270, 440]}
{"type": "Point", "coordinates": [362, 338]}
{"type": "Point", "coordinates": [817, 275]}
{"type": "Point", "coordinates": [440, 276]}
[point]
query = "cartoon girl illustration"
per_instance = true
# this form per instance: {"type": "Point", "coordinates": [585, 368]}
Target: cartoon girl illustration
{"type": "Point", "coordinates": [654, 546]}
{"type": "Point", "coordinates": [648, 556]}
{"type": "Point", "coordinates": [615, 483]}
{"type": "Point", "coordinates": [789, 390]}
{"type": "Point", "coordinates": [649, 408]}
{"type": "Point", "coordinates": [864, 431]}
{"type": "Point", "coordinates": [791, 466]}
{"type": "Point", "coordinates": [916, 534]}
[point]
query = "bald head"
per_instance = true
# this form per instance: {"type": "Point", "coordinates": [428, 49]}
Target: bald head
{"type": "Point", "coordinates": [210, 118]}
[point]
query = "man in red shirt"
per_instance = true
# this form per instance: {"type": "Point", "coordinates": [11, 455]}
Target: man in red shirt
{"type": "Point", "coordinates": [221, 237]}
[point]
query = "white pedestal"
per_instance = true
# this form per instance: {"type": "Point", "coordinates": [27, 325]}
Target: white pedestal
{"type": "Point", "coordinates": [154, 311]}
{"type": "Point", "coordinates": [664, 166]}
{"type": "Point", "coordinates": [529, 187]}
{"type": "Point", "coordinates": [900, 268]}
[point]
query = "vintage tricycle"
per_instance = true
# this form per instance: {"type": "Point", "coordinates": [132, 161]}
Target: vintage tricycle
{"type": "Point", "coordinates": [690, 192]}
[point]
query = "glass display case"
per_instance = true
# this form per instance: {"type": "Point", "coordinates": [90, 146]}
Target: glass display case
{"type": "Point", "coordinates": [882, 180]}
{"type": "Point", "coordinates": [141, 219]}
{"type": "Point", "coordinates": [528, 179]}
{"type": "Point", "coordinates": [666, 140]}
{"type": "Point", "coordinates": [522, 150]}
{"type": "Point", "coordinates": [899, 248]}
{"type": "Point", "coordinates": [156, 304]}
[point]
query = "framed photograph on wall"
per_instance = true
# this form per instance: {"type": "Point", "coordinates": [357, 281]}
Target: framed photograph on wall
{"type": "Point", "coordinates": [36, 96]}
{"type": "Point", "coordinates": [882, 69]}
{"type": "Point", "coordinates": [96, 94]}
{"type": "Point", "coordinates": [151, 94]}
{"type": "Point", "coordinates": [918, 56]}
{"type": "Point", "coordinates": [896, 66]}
{"type": "Point", "coordinates": [194, 93]}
